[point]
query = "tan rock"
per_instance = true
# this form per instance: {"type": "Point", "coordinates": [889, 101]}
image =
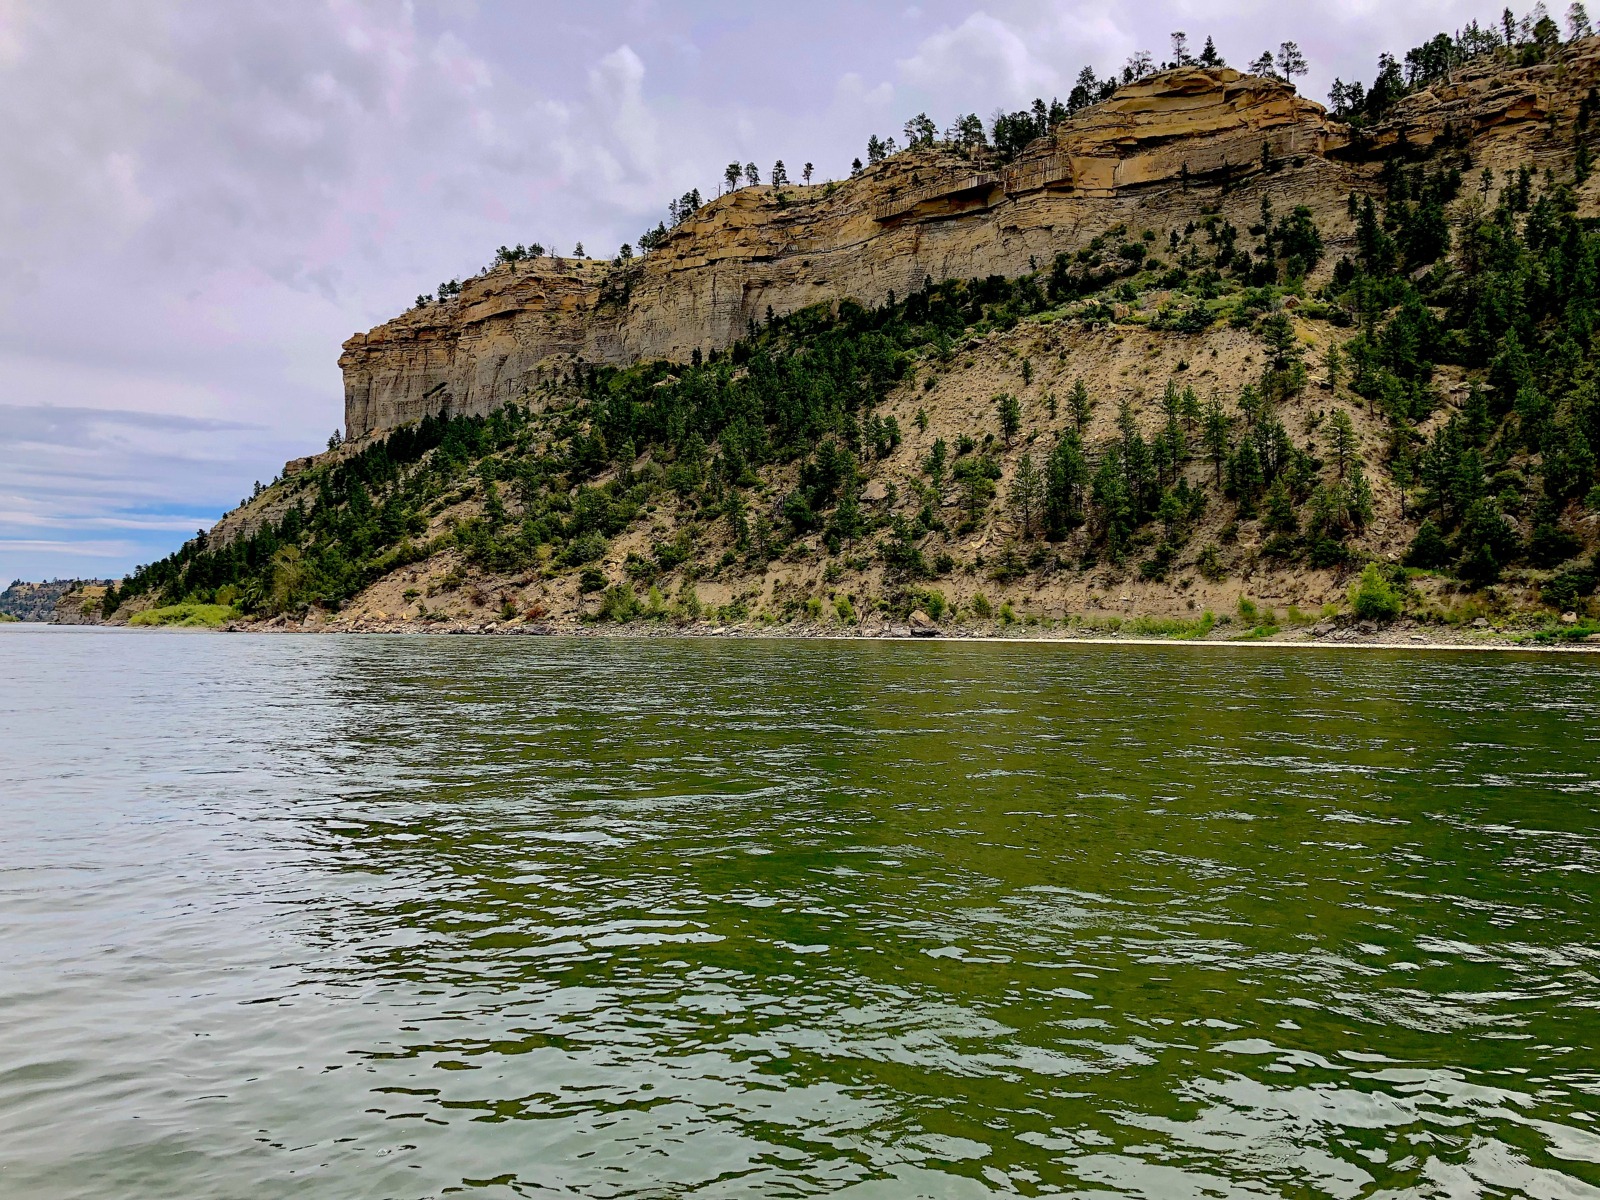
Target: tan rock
{"type": "Point", "coordinates": [929, 214]}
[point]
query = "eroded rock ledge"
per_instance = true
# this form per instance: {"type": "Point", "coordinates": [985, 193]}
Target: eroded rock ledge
{"type": "Point", "coordinates": [1149, 156]}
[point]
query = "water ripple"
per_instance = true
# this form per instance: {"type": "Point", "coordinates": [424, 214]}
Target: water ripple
{"type": "Point", "coordinates": [406, 917]}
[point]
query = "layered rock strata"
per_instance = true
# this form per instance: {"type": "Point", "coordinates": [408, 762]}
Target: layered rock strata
{"type": "Point", "coordinates": [1150, 157]}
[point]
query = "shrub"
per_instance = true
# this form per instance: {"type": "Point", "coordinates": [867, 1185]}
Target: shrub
{"type": "Point", "coordinates": [981, 606]}
{"type": "Point", "coordinates": [1566, 590]}
{"type": "Point", "coordinates": [1549, 545]}
{"type": "Point", "coordinates": [1372, 597]}
{"type": "Point", "coordinates": [1173, 627]}
{"type": "Point", "coordinates": [189, 616]}
{"type": "Point", "coordinates": [1428, 548]}
{"type": "Point", "coordinates": [1210, 563]}
{"type": "Point", "coordinates": [620, 604]}
{"type": "Point", "coordinates": [586, 548]}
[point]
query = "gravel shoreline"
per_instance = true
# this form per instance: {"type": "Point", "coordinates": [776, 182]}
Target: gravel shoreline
{"type": "Point", "coordinates": [1402, 636]}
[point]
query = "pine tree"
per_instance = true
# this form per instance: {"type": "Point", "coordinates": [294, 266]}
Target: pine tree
{"type": "Point", "coordinates": [1291, 62]}
{"type": "Point", "coordinates": [848, 523]}
{"type": "Point", "coordinates": [1361, 499]}
{"type": "Point", "coordinates": [1081, 405]}
{"type": "Point", "coordinates": [1217, 435]}
{"type": "Point", "coordinates": [1066, 475]}
{"type": "Point", "coordinates": [1344, 440]}
{"type": "Point", "coordinates": [1279, 516]}
{"type": "Point", "coordinates": [1010, 415]}
{"type": "Point", "coordinates": [1189, 408]}
{"type": "Point", "coordinates": [1027, 493]}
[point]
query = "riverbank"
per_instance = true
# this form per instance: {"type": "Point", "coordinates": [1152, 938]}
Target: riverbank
{"type": "Point", "coordinates": [1132, 632]}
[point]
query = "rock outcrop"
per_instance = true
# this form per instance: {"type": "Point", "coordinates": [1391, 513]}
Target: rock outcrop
{"type": "Point", "coordinates": [60, 601]}
{"type": "Point", "coordinates": [1149, 157]}
{"type": "Point", "coordinates": [928, 213]}
{"type": "Point", "coordinates": [81, 604]}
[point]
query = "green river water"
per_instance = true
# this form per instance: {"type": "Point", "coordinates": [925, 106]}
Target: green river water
{"type": "Point", "coordinates": [414, 917]}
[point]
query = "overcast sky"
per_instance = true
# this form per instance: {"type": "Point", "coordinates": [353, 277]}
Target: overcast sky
{"type": "Point", "coordinates": [203, 198]}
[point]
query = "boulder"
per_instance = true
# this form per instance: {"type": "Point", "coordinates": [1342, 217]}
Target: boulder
{"type": "Point", "coordinates": [922, 625]}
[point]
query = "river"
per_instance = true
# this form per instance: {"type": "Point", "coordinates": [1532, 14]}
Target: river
{"type": "Point", "coordinates": [406, 917]}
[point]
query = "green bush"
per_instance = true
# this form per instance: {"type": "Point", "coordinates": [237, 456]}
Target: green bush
{"type": "Point", "coordinates": [619, 604]}
{"type": "Point", "coordinates": [930, 601]}
{"type": "Point", "coordinates": [1372, 597]}
{"type": "Point", "coordinates": [1173, 627]}
{"type": "Point", "coordinates": [187, 616]}
{"type": "Point", "coordinates": [1568, 589]}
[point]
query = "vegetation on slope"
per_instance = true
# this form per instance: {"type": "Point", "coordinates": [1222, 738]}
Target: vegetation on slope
{"type": "Point", "coordinates": [1491, 281]}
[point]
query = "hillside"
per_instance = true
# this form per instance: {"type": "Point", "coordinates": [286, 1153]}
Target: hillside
{"type": "Point", "coordinates": [1201, 360]}
{"type": "Point", "coordinates": [59, 601]}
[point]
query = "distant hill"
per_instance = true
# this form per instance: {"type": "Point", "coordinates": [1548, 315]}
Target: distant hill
{"type": "Point", "coordinates": [37, 601]}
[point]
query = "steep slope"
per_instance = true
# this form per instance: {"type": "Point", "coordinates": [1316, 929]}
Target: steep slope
{"type": "Point", "coordinates": [1202, 355]}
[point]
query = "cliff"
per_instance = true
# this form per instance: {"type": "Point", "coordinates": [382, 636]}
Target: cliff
{"type": "Point", "coordinates": [1151, 156]}
{"type": "Point", "coordinates": [932, 213]}
{"type": "Point", "coordinates": [58, 602]}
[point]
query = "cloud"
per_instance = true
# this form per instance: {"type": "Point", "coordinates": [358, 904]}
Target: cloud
{"type": "Point", "coordinates": [981, 56]}
{"type": "Point", "coordinates": [91, 473]}
{"type": "Point", "coordinates": [81, 549]}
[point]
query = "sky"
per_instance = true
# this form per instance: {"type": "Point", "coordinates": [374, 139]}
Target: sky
{"type": "Point", "coordinates": [203, 198]}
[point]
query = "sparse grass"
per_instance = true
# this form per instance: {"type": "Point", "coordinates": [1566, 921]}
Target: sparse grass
{"type": "Point", "coordinates": [186, 616]}
{"type": "Point", "coordinates": [1256, 634]}
{"type": "Point", "coordinates": [1172, 627]}
{"type": "Point", "coordinates": [1554, 634]}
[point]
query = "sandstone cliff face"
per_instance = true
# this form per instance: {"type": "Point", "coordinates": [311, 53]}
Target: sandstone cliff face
{"type": "Point", "coordinates": [917, 215]}
{"type": "Point", "coordinates": [1139, 159]}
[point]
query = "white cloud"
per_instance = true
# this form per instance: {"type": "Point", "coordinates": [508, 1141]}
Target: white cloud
{"type": "Point", "coordinates": [87, 548]}
{"type": "Point", "coordinates": [981, 56]}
